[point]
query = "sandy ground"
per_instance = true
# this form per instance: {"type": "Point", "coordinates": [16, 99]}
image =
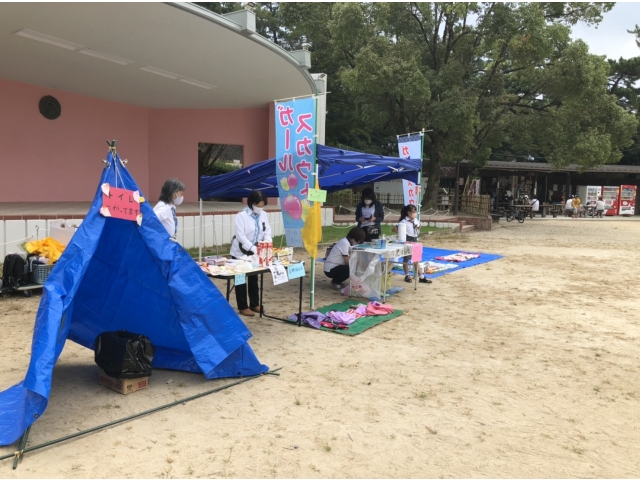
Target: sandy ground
{"type": "Point", "coordinates": [524, 367]}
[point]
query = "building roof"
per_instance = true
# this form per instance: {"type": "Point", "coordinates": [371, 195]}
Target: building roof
{"type": "Point", "coordinates": [192, 58]}
{"type": "Point", "coordinates": [547, 167]}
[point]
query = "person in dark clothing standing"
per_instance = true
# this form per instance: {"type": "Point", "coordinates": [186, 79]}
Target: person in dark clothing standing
{"type": "Point", "coordinates": [369, 215]}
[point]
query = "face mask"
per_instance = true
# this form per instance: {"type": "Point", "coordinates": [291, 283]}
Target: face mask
{"type": "Point", "coordinates": [257, 210]}
{"type": "Point", "coordinates": [367, 202]}
{"type": "Point", "coordinates": [177, 201]}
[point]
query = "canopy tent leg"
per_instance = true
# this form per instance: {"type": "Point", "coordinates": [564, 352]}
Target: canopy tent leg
{"type": "Point", "coordinates": [201, 234]}
{"type": "Point", "coordinates": [21, 446]}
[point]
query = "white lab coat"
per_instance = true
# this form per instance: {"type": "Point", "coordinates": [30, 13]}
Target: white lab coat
{"type": "Point", "coordinates": [249, 231]}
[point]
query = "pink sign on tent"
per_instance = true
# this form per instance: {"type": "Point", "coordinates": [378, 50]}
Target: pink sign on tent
{"type": "Point", "coordinates": [120, 203]}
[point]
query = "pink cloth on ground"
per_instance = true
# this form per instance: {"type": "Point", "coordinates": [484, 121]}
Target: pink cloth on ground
{"type": "Point", "coordinates": [377, 308]}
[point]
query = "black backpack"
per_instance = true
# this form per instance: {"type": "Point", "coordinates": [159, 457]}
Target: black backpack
{"type": "Point", "coordinates": [15, 271]}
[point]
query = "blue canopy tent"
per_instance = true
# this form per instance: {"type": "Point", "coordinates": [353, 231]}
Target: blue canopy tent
{"type": "Point", "coordinates": [338, 169]}
{"type": "Point", "coordinates": [116, 275]}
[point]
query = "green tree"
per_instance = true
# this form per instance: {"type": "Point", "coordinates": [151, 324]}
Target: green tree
{"type": "Point", "coordinates": [624, 83]}
{"type": "Point", "coordinates": [636, 31]}
{"type": "Point", "coordinates": [331, 51]}
{"type": "Point", "coordinates": [481, 76]}
{"type": "Point", "coordinates": [268, 21]}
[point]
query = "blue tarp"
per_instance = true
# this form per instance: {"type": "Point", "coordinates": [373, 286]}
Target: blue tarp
{"type": "Point", "coordinates": [116, 275]}
{"type": "Point", "coordinates": [338, 169]}
{"type": "Point", "coordinates": [430, 254]}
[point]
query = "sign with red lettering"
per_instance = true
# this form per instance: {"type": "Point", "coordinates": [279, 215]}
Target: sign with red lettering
{"type": "Point", "coordinates": [120, 203]}
{"type": "Point", "coordinates": [295, 157]}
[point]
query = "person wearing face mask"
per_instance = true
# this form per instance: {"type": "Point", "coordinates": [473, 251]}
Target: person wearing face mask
{"type": "Point", "coordinates": [336, 265]}
{"type": "Point", "coordinates": [369, 215]}
{"type": "Point", "coordinates": [409, 216]}
{"type": "Point", "coordinates": [171, 196]}
{"type": "Point", "coordinates": [252, 226]}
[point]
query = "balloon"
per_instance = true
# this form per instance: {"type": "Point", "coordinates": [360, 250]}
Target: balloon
{"type": "Point", "coordinates": [293, 181]}
{"type": "Point", "coordinates": [292, 206]}
{"type": "Point", "coordinates": [284, 184]}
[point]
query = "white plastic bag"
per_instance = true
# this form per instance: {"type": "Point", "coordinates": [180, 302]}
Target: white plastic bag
{"type": "Point", "coordinates": [365, 271]}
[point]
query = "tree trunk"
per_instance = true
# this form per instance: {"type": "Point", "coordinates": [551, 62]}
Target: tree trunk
{"type": "Point", "coordinates": [430, 198]}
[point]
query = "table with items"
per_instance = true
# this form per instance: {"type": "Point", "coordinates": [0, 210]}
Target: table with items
{"type": "Point", "coordinates": [237, 271]}
{"type": "Point", "coordinates": [369, 267]}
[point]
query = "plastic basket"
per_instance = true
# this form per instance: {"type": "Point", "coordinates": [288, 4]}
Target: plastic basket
{"type": "Point", "coordinates": [40, 273]}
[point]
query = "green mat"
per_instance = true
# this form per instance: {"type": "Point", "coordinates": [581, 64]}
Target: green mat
{"type": "Point", "coordinates": [361, 324]}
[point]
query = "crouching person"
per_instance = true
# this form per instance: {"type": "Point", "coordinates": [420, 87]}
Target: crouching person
{"type": "Point", "coordinates": [336, 265]}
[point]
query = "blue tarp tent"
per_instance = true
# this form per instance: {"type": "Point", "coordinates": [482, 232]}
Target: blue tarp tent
{"type": "Point", "coordinates": [116, 275]}
{"type": "Point", "coordinates": [338, 169]}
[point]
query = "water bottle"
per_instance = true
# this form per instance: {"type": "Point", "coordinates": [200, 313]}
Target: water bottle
{"type": "Point", "coordinates": [383, 243]}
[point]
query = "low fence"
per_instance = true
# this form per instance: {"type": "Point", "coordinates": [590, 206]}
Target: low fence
{"type": "Point", "coordinates": [218, 228]}
{"type": "Point", "coordinates": [475, 204]}
{"type": "Point", "coordinates": [393, 201]}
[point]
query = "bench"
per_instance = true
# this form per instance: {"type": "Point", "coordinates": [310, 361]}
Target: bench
{"type": "Point", "coordinates": [496, 217]}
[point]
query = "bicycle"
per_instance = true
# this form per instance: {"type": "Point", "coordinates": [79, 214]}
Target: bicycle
{"type": "Point", "coordinates": [515, 213]}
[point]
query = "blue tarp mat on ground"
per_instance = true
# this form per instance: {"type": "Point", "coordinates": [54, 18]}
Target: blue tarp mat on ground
{"type": "Point", "coordinates": [116, 275]}
{"type": "Point", "coordinates": [338, 169]}
{"type": "Point", "coordinates": [430, 254]}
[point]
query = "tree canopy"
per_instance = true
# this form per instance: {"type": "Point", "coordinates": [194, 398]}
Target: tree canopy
{"type": "Point", "coordinates": [479, 77]}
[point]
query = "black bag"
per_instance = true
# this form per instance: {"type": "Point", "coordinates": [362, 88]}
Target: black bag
{"type": "Point", "coordinates": [248, 252]}
{"type": "Point", "coordinates": [326, 255]}
{"type": "Point", "coordinates": [123, 354]}
{"type": "Point", "coordinates": [371, 230]}
{"type": "Point", "coordinates": [15, 271]}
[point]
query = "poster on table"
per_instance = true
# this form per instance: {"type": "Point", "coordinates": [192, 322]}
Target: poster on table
{"type": "Point", "coordinates": [295, 159]}
{"type": "Point", "coordinates": [410, 146]}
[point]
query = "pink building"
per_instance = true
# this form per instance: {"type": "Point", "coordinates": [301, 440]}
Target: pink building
{"type": "Point", "coordinates": [158, 77]}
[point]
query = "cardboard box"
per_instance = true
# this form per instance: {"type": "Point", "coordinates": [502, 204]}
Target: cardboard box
{"type": "Point", "coordinates": [123, 385]}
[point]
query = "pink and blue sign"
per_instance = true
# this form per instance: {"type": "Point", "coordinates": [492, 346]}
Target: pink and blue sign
{"type": "Point", "coordinates": [295, 162]}
{"type": "Point", "coordinates": [410, 146]}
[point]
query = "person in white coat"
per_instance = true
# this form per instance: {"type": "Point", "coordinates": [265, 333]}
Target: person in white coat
{"type": "Point", "coordinates": [171, 196]}
{"type": "Point", "coordinates": [252, 226]}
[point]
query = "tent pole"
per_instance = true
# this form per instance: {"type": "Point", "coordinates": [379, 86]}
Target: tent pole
{"type": "Point", "coordinates": [146, 412]}
{"type": "Point", "coordinates": [21, 446]}
{"type": "Point", "coordinates": [200, 247]}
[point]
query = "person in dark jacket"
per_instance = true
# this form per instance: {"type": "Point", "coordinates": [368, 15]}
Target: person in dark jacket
{"type": "Point", "coordinates": [369, 215]}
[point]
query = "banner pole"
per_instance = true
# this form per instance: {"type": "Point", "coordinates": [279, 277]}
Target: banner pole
{"type": "Point", "coordinates": [420, 174]}
{"type": "Point", "coordinates": [312, 273]}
